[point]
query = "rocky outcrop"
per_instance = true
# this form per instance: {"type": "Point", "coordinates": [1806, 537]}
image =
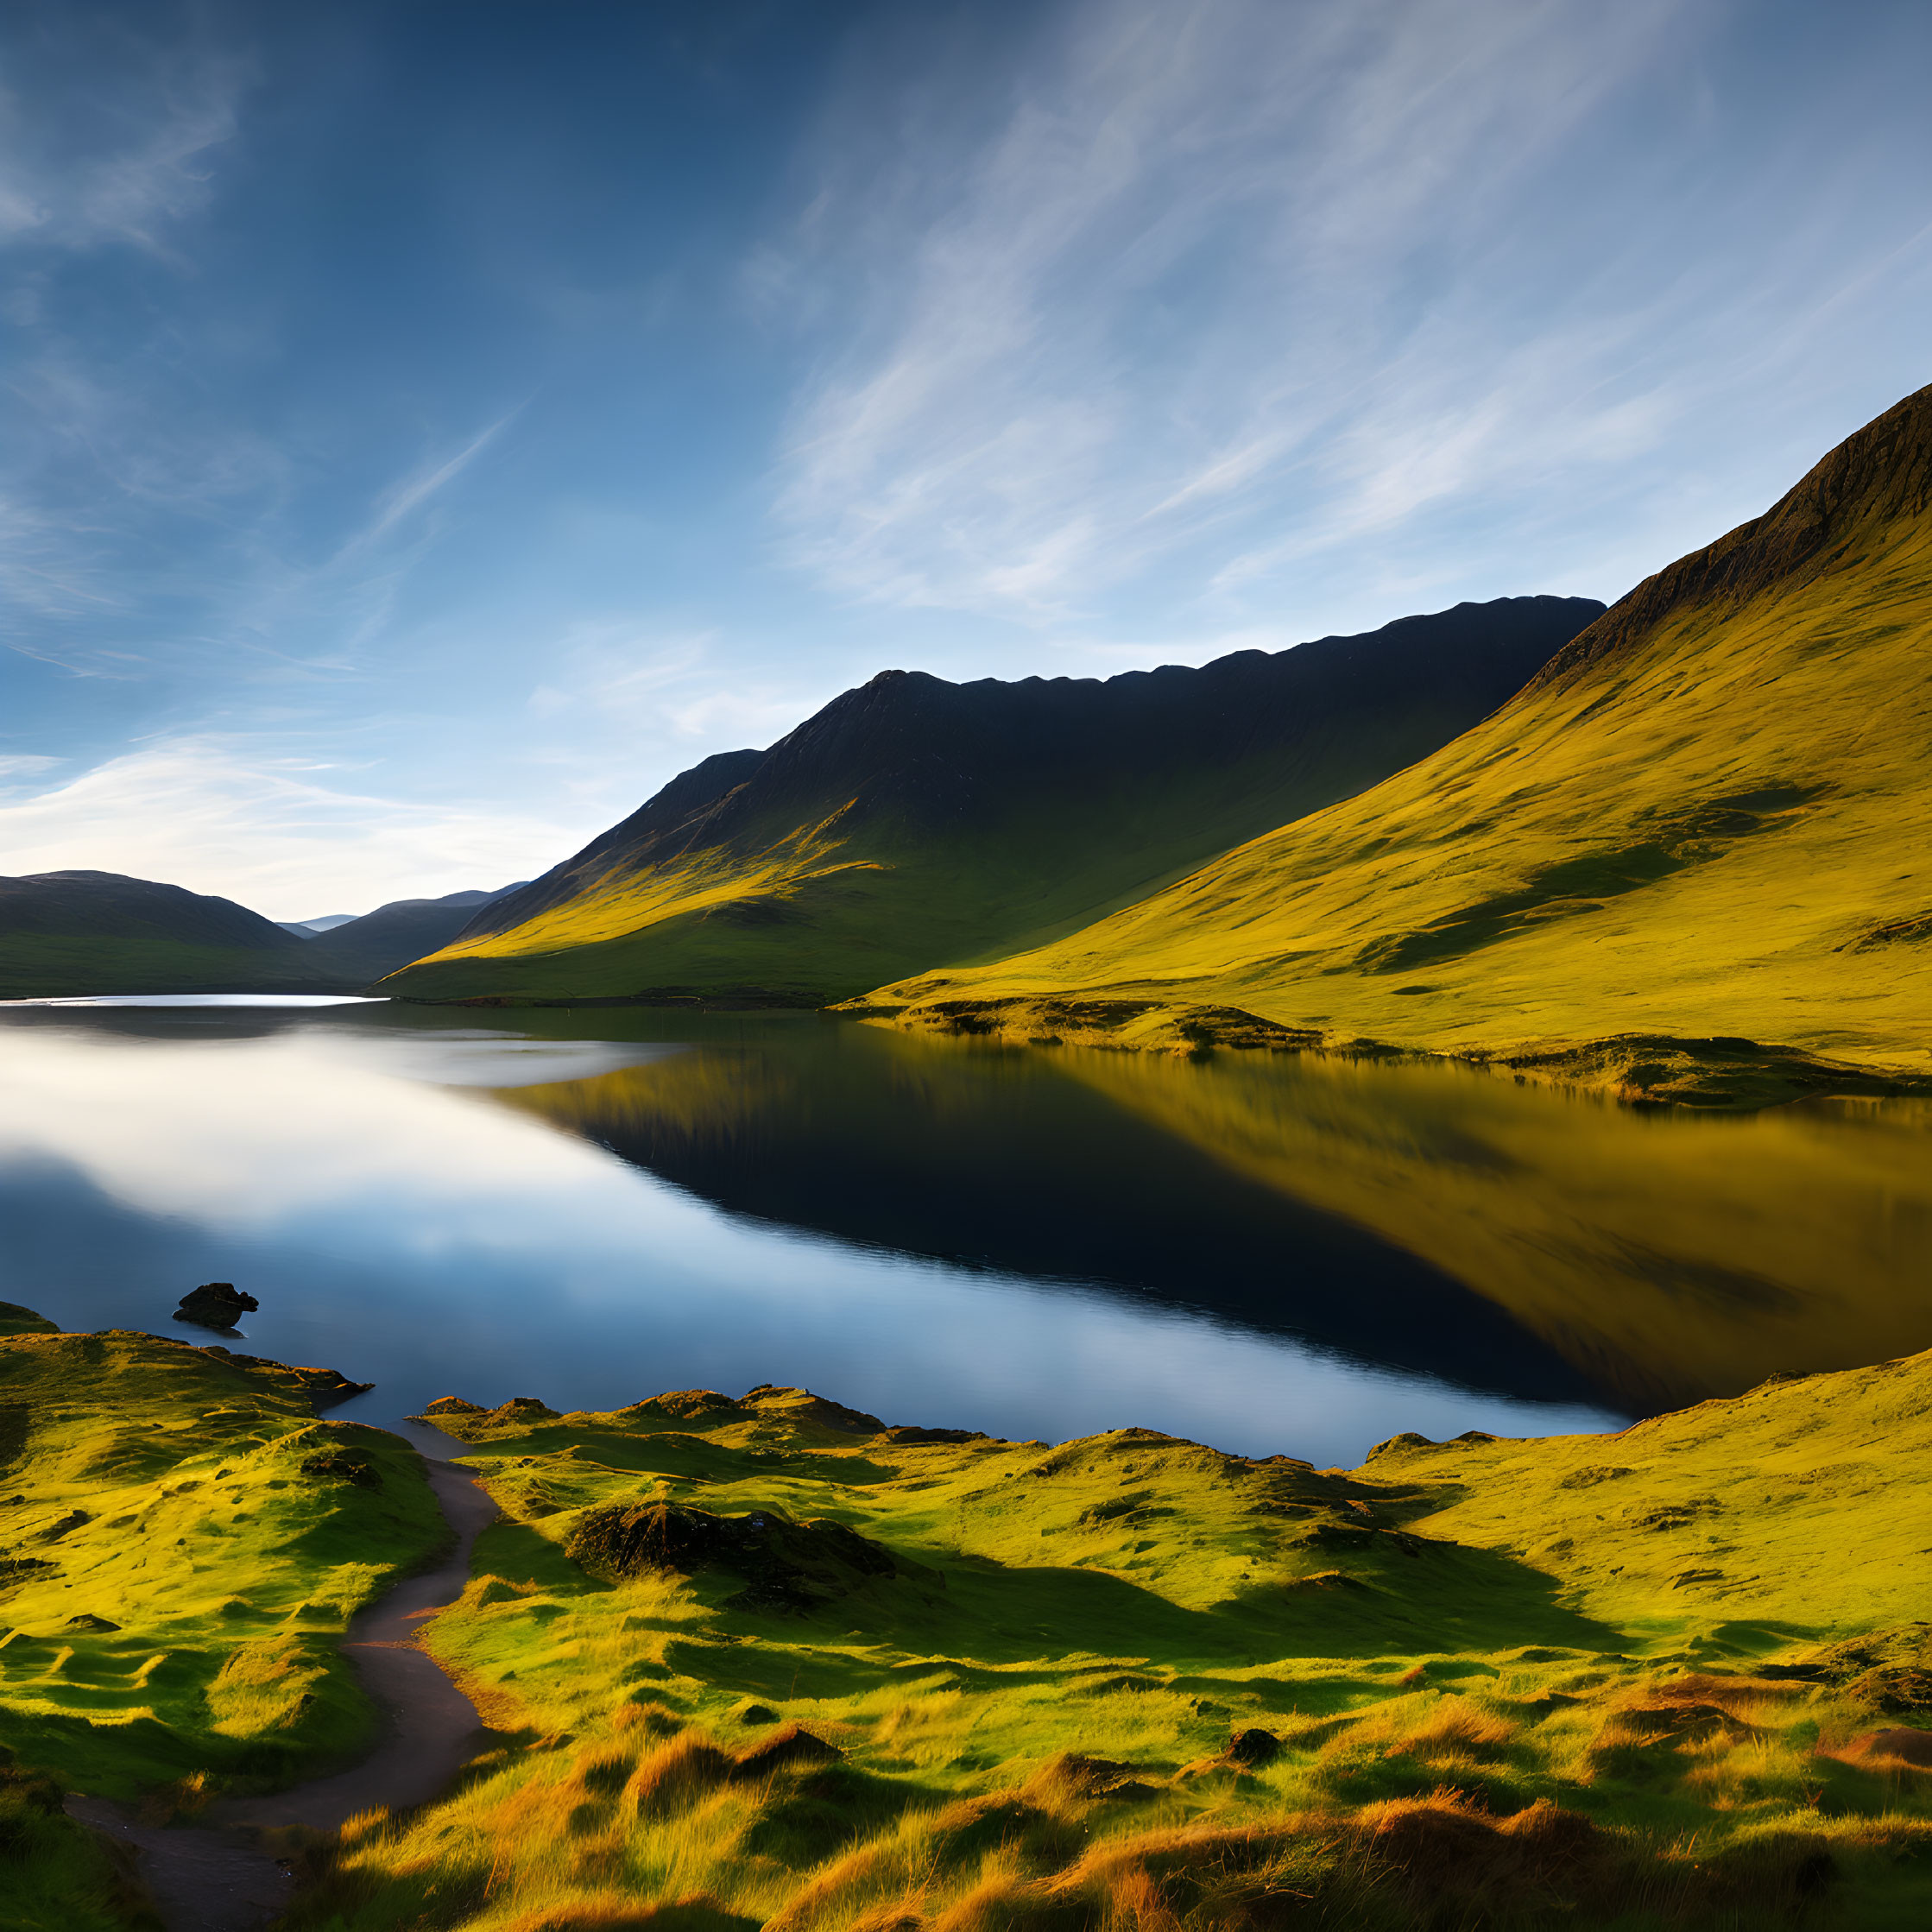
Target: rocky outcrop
{"type": "Point", "coordinates": [788, 1567]}
{"type": "Point", "coordinates": [216, 1304]}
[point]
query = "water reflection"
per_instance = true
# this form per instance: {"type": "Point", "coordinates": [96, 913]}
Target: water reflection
{"type": "Point", "coordinates": [1272, 1254]}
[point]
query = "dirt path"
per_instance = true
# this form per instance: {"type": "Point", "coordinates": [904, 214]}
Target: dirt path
{"type": "Point", "coordinates": [210, 1878]}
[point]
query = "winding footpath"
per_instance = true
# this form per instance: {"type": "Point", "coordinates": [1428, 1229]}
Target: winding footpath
{"type": "Point", "coordinates": [210, 1878]}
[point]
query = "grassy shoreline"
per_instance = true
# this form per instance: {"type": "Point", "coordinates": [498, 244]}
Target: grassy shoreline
{"type": "Point", "coordinates": [765, 1661]}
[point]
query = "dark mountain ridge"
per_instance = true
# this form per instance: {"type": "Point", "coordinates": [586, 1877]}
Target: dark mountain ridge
{"type": "Point", "coordinates": [71, 934]}
{"type": "Point", "coordinates": [79, 932]}
{"type": "Point", "coordinates": [363, 949]}
{"type": "Point", "coordinates": [1018, 803]}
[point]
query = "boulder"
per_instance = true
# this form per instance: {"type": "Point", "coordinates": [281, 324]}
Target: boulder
{"type": "Point", "coordinates": [328, 1387]}
{"type": "Point", "coordinates": [790, 1568]}
{"type": "Point", "coordinates": [216, 1304]}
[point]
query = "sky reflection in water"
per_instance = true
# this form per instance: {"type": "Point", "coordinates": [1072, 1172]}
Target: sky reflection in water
{"type": "Point", "coordinates": [1007, 1242]}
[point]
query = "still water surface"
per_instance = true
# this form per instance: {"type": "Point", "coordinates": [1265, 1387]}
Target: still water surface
{"type": "Point", "coordinates": [1267, 1253]}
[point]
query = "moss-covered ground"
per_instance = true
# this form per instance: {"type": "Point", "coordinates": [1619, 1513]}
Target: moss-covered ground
{"type": "Point", "coordinates": [182, 1545]}
{"type": "Point", "coordinates": [765, 1661]}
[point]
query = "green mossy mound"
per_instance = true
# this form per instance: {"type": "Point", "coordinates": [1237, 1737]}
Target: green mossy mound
{"type": "Point", "coordinates": [1645, 1681]}
{"type": "Point", "coordinates": [182, 1545]}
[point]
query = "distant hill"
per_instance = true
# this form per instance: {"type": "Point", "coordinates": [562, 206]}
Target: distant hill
{"type": "Point", "coordinates": [1704, 825]}
{"type": "Point", "coordinates": [73, 933]}
{"type": "Point", "coordinates": [67, 933]}
{"type": "Point", "coordinates": [364, 949]}
{"type": "Point", "coordinates": [306, 929]}
{"type": "Point", "coordinates": [914, 822]}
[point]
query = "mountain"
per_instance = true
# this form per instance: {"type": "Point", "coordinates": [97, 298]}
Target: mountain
{"type": "Point", "coordinates": [307, 929]}
{"type": "Point", "coordinates": [70, 933]}
{"type": "Point", "coordinates": [360, 951]}
{"type": "Point", "coordinates": [1703, 826]}
{"type": "Point", "coordinates": [914, 822]}
{"type": "Point", "coordinates": [65, 933]}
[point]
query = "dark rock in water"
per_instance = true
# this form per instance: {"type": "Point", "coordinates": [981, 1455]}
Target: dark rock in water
{"type": "Point", "coordinates": [1253, 1748]}
{"type": "Point", "coordinates": [216, 1304]}
{"type": "Point", "coordinates": [91, 1622]}
{"type": "Point", "coordinates": [787, 1567]}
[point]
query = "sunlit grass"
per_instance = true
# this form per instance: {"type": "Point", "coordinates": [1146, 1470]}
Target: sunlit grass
{"type": "Point", "coordinates": [1464, 1732]}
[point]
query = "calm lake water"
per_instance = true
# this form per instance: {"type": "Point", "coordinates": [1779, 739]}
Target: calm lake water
{"type": "Point", "coordinates": [1269, 1255]}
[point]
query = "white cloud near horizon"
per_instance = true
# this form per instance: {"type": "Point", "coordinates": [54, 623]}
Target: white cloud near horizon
{"type": "Point", "coordinates": [288, 839]}
{"type": "Point", "coordinates": [1231, 296]}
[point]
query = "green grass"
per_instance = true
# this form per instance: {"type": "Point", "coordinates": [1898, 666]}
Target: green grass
{"type": "Point", "coordinates": [1711, 835]}
{"type": "Point", "coordinates": [1583, 1680]}
{"type": "Point", "coordinates": [35, 966]}
{"type": "Point", "coordinates": [181, 1555]}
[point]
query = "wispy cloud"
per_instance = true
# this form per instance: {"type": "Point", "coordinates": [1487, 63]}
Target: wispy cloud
{"type": "Point", "coordinates": [408, 496]}
{"type": "Point", "coordinates": [126, 165]}
{"type": "Point", "coordinates": [1228, 285]}
{"type": "Point", "coordinates": [287, 837]}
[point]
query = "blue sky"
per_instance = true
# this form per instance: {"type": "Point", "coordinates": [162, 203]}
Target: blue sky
{"type": "Point", "coordinates": [426, 426]}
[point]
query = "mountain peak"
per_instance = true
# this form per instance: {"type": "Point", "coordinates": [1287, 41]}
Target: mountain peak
{"type": "Point", "coordinates": [1878, 475]}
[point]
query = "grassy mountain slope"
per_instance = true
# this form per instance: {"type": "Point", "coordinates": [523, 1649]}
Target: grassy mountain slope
{"type": "Point", "coordinates": [1708, 816]}
{"type": "Point", "coordinates": [765, 1661]}
{"type": "Point", "coordinates": [66, 933]}
{"type": "Point", "coordinates": [914, 822]}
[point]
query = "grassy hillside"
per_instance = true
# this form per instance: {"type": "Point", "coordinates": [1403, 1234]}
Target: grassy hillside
{"type": "Point", "coordinates": [1708, 816]}
{"type": "Point", "coordinates": [914, 822]}
{"type": "Point", "coordinates": [766, 1661]}
{"type": "Point", "coordinates": [68, 933]}
{"type": "Point", "coordinates": [184, 1542]}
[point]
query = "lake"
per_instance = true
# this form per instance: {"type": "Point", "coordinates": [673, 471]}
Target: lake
{"type": "Point", "coordinates": [1268, 1253]}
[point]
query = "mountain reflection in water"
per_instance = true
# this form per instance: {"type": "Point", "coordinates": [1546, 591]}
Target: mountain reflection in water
{"type": "Point", "coordinates": [1268, 1252]}
{"type": "Point", "coordinates": [1659, 1257]}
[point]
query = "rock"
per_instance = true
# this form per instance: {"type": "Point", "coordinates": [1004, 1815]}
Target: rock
{"type": "Point", "coordinates": [788, 1567]}
{"type": "Point", "coordinates": [216, 1304]}
{"type": "Point", "coordinates": [54, 1531]}
{"type": "Point", "coordinates": [1253, 1748]}
{"type": "Point", "coordinates": [328, 1387]}
{"type": "Point", "coordinates": [91, 1622]}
